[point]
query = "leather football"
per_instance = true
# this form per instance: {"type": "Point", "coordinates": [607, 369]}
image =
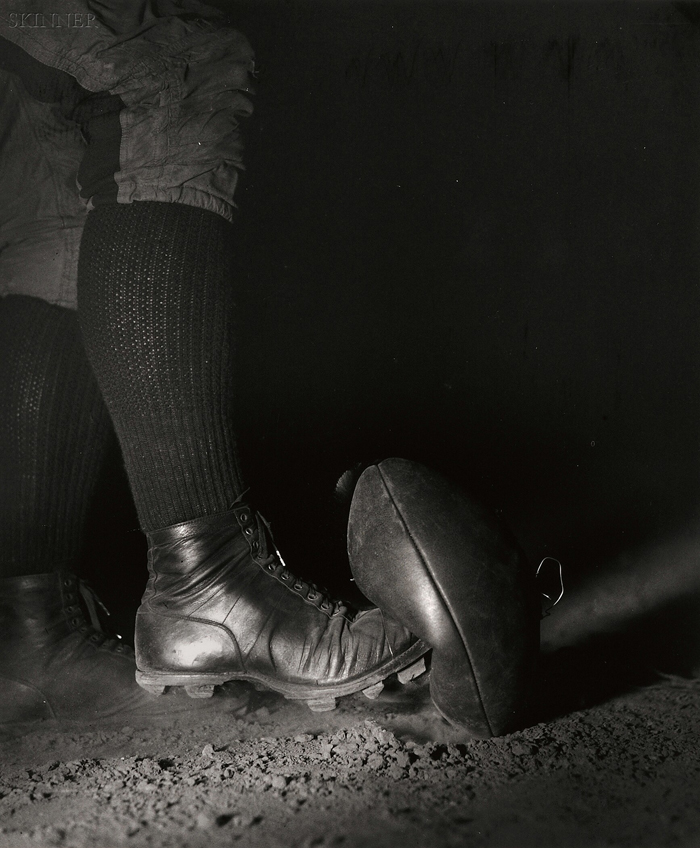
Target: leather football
{"type": "Point", "coordinates": [433, 558]}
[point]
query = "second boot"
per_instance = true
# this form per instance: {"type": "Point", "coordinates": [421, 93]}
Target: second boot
{"type": "Point", "coordinates": [57, 661]}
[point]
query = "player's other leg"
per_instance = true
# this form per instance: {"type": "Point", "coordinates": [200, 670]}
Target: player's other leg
{"type": "Point", "coordinates": [56, 661]}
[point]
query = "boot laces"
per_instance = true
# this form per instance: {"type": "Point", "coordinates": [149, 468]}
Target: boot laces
{"type": "Point", "coordinates": [270, 558]}
{"type": "Point", "coordinates": [96, 629]}
{"type": "Point", "coordinates": [92, 602]}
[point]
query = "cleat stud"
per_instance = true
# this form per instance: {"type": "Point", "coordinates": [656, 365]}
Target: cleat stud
{"type": "Point", "coordinates": [205, 690]}
{"type": "Point", "coordinates": [322, 705]}
{"type": "Point", "coordinates": [153, 688]}
{"type": "Point", "coordinates": [373, 692]}
{"type": "Point", "coordinates": [413, 671]}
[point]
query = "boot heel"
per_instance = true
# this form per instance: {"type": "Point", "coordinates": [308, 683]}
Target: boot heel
{"type": "Point", "coordinates": [153, 688]}
{"type": "Point", "coordinates": [193, 683]}
{"type": "Point", "coordinates": [150, 683]}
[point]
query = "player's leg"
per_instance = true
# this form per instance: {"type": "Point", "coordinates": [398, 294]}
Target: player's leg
{"type": "Point", "coordinates": [55, 660]}
{"type": "Point", "coordinates": [156, 305]}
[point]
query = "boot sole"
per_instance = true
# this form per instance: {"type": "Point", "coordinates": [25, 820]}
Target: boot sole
{"type": "Point", "coordinates": [408, 665]}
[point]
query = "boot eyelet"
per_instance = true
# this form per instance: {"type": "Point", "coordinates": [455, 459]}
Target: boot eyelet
{"type": "Point", "coordinates": [66, 581]}
{"type": "Point", "coordinates": [325, 606]}
{"type": "Point", "coordinates": [243, 517]}
{"type": "Point", "coordinates": [270, 567]}
{"type": "Point", "coordinates": [312, 596]}
{"type": "Point", "coordinates": [284, 576]}
{"type": "Point", "coordinates": [254, 545]}
{"type": "Point", "coordinates": [298, 587]}
{"type": "Point", "coordinates": [248, 531]}
{"type": "Point", "coordinates": [75, 621]}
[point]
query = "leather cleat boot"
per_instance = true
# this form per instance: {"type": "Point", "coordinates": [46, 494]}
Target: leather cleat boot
{"type": "Point", "coordinates": [221, 605]}
{"type": "Point", "coordinates": [56, 661]}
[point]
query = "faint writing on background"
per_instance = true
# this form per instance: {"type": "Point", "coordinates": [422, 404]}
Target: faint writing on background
{"type": "Point", "coordinates": [432, 62]}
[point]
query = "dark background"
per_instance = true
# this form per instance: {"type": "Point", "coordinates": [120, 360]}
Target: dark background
{"type": "Point", "coordinates": [468, 235]}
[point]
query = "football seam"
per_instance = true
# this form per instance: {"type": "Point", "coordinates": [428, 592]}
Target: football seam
{"type": "Point", "coordinates": [440, 595]}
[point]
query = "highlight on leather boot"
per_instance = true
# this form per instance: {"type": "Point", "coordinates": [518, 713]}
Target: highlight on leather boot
{"type": "Point", "coordinates": [443, 565]}
{"type": "Point", "coordinates": [56, 660]}
{"type": "Point", "coordinates": [221, 605]}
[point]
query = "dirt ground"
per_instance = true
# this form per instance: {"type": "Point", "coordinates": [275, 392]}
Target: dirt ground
{"type": "Point", "coordinates": [251, 768]}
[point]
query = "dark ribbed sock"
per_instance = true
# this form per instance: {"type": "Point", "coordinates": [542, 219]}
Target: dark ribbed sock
{"type": "Point", "coordinates": [155, 301]}
{"type": "Point", "coordinates": [54, 432]}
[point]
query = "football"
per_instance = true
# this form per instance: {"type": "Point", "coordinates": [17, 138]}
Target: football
{"type": "Point", "coordinates": [433, 558]}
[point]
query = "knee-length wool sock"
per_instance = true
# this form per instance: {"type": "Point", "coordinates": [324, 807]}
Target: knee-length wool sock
{"type": "Point", "coordinates": [54, 433]}
{"type": "Point", "coordinates": [155, 302]}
